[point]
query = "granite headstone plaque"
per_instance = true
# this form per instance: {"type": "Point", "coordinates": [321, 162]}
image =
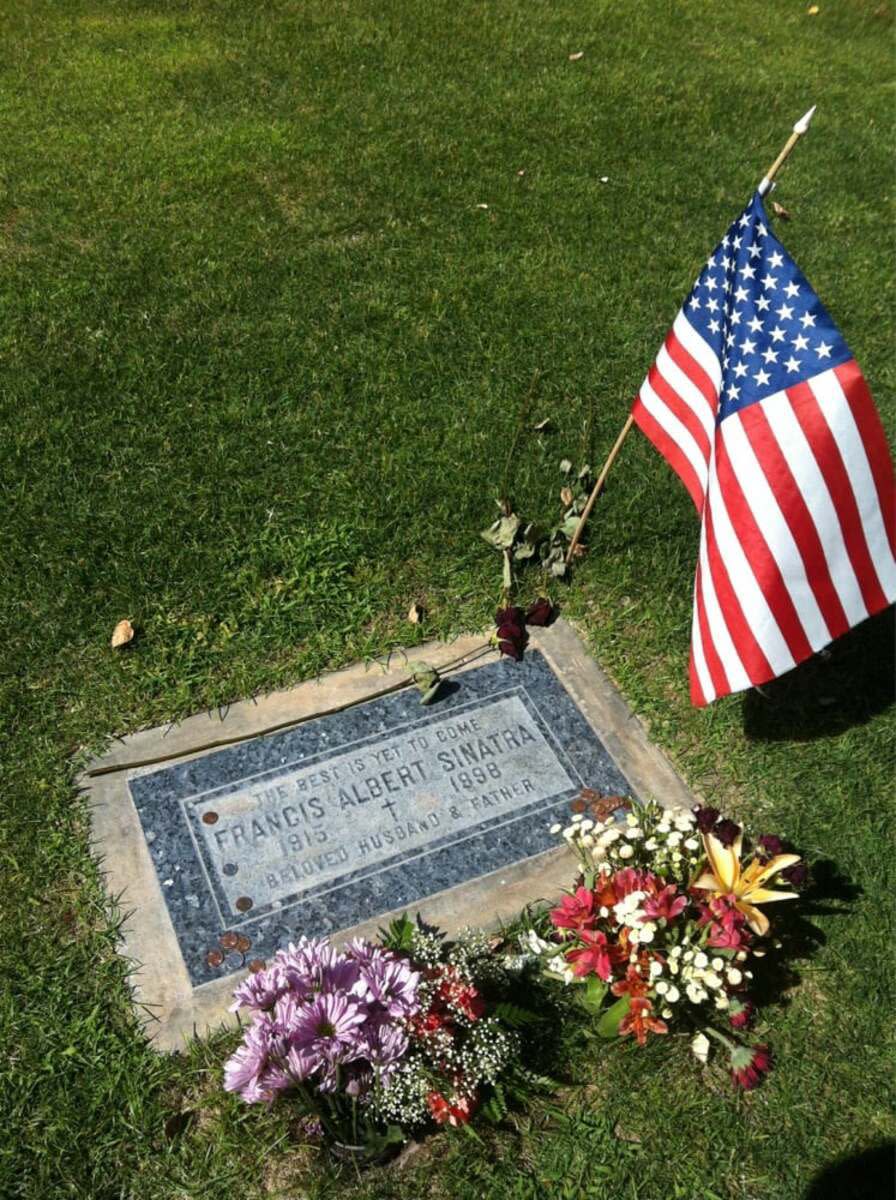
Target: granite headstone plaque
{"type": "Point", "coordinates": [351, 815]}
{"type": "Point", "coordinates": [225, 841]}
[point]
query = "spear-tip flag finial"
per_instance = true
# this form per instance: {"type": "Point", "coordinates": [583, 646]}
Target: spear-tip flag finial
{"type": "Point", "coordinates": [799, 129]}
{"type": "Point", "coordinates": [802, 124]}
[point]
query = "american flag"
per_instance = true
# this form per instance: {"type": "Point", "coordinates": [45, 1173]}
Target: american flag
{"type": "Point", "coordinates": [758, 405]}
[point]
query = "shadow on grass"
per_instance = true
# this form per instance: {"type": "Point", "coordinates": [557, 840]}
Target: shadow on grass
{"type": "Point", "coordinates": [868, 1175]}
{"type": "Point", "coordinates": [844, 685]}
{"type": "Point", "coordinates": [829, 894]}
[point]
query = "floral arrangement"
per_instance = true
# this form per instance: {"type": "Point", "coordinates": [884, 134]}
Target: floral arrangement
{"type": "Point", "coordinates": [462, 1049]}
{"type": "Point", "coordinates": [375, 1041]}
{"type": "Point", "coordinates": [666, 925]}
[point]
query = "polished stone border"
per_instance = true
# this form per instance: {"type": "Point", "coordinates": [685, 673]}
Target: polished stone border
{"type": "Point", "coordinates": [174, 1009]}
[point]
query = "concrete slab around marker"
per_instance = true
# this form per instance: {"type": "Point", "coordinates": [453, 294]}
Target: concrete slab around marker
{"type": "Point", "coordinates": [335, 805]}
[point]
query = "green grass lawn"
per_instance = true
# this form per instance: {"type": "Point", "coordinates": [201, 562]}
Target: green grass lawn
{"type": "Point", "coordinates": [264, 352]}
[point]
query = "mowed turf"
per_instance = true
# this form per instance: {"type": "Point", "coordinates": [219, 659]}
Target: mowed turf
{"type": "Point", "coordinates": [275, 281]}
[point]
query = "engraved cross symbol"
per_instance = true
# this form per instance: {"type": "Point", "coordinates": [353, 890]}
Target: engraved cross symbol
{"type": "Point", "coordinates": [390, 804]}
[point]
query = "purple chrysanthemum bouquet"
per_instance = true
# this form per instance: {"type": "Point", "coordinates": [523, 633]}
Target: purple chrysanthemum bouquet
{"type": "Point", "coordinates": [329, 1026]}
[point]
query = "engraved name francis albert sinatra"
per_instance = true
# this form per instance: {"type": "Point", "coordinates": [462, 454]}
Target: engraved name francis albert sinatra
{"type": "Point", "coordinates": [394, 792]}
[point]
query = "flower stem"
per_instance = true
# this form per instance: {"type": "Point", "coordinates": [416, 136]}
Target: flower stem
{"type": "Point", "coordinates": [727, 1042]}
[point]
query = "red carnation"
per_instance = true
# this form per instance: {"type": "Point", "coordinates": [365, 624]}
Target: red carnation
{"type": "Point", "coordinates": [456, 1111]}
{"type": "Point", "coordinates": [749, 1064]}
{"type": "Point", "coordinates": [740, 1012]}
{"type": "Point", "coordinates": [457, 993]}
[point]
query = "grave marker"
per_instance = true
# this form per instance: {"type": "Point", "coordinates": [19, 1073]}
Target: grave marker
{"type": "Point", "coordinates": [225, 854]}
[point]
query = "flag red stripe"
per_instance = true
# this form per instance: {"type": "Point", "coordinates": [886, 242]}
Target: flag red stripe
{"type": "Point", "coordinates": [796, 513]}
{"type": "Point", "coordinates": [670, 451]}
{"type": "Point", "coordinates": [760, 558]}
{"type": "Point", "coordinates": [827, 454]}
{"type": "Point", "coordinates": [713, 662]}
{"type": "Point", "coordinates": [679, 408]}
{"type": "Point", "coordinates": [749, 651]}
{"type": "Point", "coordinates": [871, 431]}
{"type": "Point", "coordinates": [698, 377]}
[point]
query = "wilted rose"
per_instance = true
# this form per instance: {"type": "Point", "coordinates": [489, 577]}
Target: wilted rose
{"type": "Point", "coordinates": [540, 613]}
{"type": "Point", "coordinates": [727, 832]}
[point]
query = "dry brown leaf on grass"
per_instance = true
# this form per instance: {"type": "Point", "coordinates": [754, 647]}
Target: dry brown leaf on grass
{"type": "Point", "coordinates": [626, 1135]}
{"type": "Point", "coordinates": [122, 634]}
{"type": "Point", "coordinates": [416, 613]}
{"type": "Point", "coordinates": [780, 211]}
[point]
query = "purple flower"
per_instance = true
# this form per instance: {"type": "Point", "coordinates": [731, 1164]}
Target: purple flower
{"type": "Point", "coordinates": [327, 1026]}
{"type": "Point", "coordinates": [311, 1127]}
{"type": "Point", "coordinates": [342, 975]}
{"type": "Point", "coordinates": [334, 1019]}
{"type": "Point", "coordinates": [394, 986]}
{"type": "Point", "coordinates": [363, 951]}
{"type": "Point", "coordinates": [261, 990]}
{"type": "Point", "coordinates": [251, 1071]}
{"type": "Point", "coordinates": [358, 1080]}
{"type": "Point", "coordinates": [386, 1045]}
{"type": "Point", "coordinates": [727, 832]}
{"type": "Point", "coordinates": [301, 964]}
{"type": "Point", "coordinates": [706, 818]}
{"type": "Point", "coordinates": [768, 846]}
{"type": "Point", "coordinates": [302, 1062]}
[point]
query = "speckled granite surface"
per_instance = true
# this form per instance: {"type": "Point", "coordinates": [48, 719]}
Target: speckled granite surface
{"type": "Point", "coordinates": [361, 812]}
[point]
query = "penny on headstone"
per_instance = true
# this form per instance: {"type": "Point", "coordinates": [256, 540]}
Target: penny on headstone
{"type": "Point", "coordinates": [329, 826]}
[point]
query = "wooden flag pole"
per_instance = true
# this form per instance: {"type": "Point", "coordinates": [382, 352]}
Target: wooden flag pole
{"type": "Point", "coordinates": [765, 187]}
{"type": "Point", "coordinates": [596, 490]}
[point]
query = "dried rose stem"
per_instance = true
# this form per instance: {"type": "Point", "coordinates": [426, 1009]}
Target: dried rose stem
{"type": "Point", "coordinates": [406, 681]}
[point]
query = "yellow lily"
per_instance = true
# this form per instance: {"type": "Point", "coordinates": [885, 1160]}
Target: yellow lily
{"type": "Point", "coordinates": [725, 878]}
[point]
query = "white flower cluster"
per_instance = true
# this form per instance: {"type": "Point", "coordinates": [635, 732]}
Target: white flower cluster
{"type": "Point", "coordinates": [472, 954]}
{"type": "Point", "coordinates": [628, 912]}
{"type": "Point", "coordinates": [706, 978]}
{"type": "Point", "coordinates": [403, 1101]}
{"type": "Point", "coordinates": [550, 954]}
{"type": "Point", "coordinates": [426, 948]}
{"type": "Point", "coordinates": [487, 1051]}
{"type": "Point", "coordinates": [665, 841]}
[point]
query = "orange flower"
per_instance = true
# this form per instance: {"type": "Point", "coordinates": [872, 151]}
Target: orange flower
{"type": "Point", "coordinates": [745, 887]}
{"type": "Point", "coordinates": [633, 985]}
{"type": "Point", "coordinates": [639, 1021]}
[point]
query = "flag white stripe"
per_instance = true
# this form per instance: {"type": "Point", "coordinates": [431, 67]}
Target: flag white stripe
{"type": "Point", "coordinates": [703, 675]}
{"type": "Point", "coordinates": [795, 447]}
{"type": "Point", "coordinates": [838, 415]}
{"type": "Point", "coordinates": [676, 431]}
{"type": "Point", "coordinates": [738, 678]}
{"type": "Point", "coordinates": [756, 610]}
{"type": "Point", "coordinates": [698, 349]}
{"type": "Point", "coordinates": [774, 528]}
{"type": "Point", "coordinates": [686, 391]}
